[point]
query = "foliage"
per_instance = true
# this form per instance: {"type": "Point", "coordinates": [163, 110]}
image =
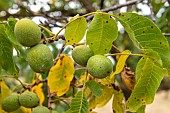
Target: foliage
{"type": "Point", "coordinates": [69, 87]}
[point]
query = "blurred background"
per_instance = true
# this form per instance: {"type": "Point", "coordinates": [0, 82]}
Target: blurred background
{"type": "Point", "coordinates": [54, 14]}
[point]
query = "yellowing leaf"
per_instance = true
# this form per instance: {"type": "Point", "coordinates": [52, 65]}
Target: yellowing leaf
{"type": "Point", "coordinates": [101, 100]}
{"type": "Point", "coordinates": [4, 92]}
{"type": "Point", "coordinates": [38, 90]}
{"type": "Point", "coordinates": [117, 104]}
{"type": "Point", "coordinates": [60, 75]}
{"type": "Point", "coordinates": [121, 63]}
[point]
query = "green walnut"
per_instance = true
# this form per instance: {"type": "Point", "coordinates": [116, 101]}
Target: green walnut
{"type": "Point", "coordinates": [81, 54]}
{"type": "Point", "coordinates": [27, 32]}
{"type": "Point", "coordinates": [41, 109]}
{"type": "Point", "coordinates": [40, 58]}
{"type": "Point", "coordinates": [29, 100]}
{"type": "Point", "coordinates": [99, 66]}
{"type": "Point", "coordinates": [11, 103]}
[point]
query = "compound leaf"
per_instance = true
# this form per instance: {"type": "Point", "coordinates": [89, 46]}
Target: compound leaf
{"type": "Point", "coordinates": [149, 76]}
{"type": "Point", "coordinates": [101, 33]}
{"type": "Point", "coordinates": [75, 30]}
{"type": "Point", "coordinates": [79, 104]}
{"type": "Point", "coordinates": [145, 35]}
{"type": "Point", "coordinates": [95, 87]}
{"type": "Point", "coordinates": [60, 75]}
{"type": "Point", "coordinates": [6, 53]}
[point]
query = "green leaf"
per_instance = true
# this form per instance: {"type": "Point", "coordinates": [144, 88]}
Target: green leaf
{"type": "Point", "coordinates": [118, 105]}
{"type": "Point", "coordinates": [78, 104]}
{"type": "Point", "coordinates": [154, 56]}
{"type": "Point", "coordinates": [10, 31]}
{"type": "Point", "coordinates": [75, 30]}
{"type": "Point", "coordinates": [145, 35]}
{"type": "Point", "coordinates": [141, 109]}
{"type": "Point", "coordinates": [6, 53]}
{"type": "Point", "coordinates": [149, 76]}
{"type": "Point", "coordinates": [101, 33]}
{"type": "Point", "coordinates": [95, 87]}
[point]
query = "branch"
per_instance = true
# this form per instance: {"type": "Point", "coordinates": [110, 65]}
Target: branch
{"type": "Point", "coordinates": [115, 7]}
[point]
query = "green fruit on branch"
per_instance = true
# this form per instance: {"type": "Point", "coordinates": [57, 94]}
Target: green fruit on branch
{"type": "Point", "coordinates": [41, 109]}
{"type": "Point", "coordinates": [27, 32]}
{"type": "Point", "coordinates": [11, 103]}
{"type": "Point", "coordinates": [40, 58]}
{"type": "Point", "coordinates": [29, 100]}
{"type": "Point", "coordinates": [81, 54]}
{"type": "Point", "coordinates": [99, 66]}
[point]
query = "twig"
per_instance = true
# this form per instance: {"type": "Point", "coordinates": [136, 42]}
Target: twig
{"type": "Point", "coordinates": [29, 87]}
{"type": "Point", "coordinates": [51, 40]}
{"type": "Point", "coordinates": [115, 7]}
{"type": "Point", "coordinates": [166, 34]}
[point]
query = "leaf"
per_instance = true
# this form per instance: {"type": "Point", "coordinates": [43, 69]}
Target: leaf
{"type": "Point", "coordinates": [145, 35]}
{"type": "Point", "coordinates": [149, 76]}
{"type": "Point", "coordinates": [39, 91]}
{"type": "Point", "coordinates": [6, 53]}
{"type": "Point", "coordinates": [94, 87]}
{"type": "Point", "coordinates": [118, 105]}
{"type": "Point", "coordinates": [128, 78]}
{"type": "Point", "coordinates": [60, 75]}
{"type": "Point", "coordinates": [79, 104]}
{"type": "Point", "coordinates": [102, 100]}
{"type": "Point", "coordinates": [75, 30]}
{"type": "Point", "coordinates": [9, 30]}
{"type": "Point", "coordinates": [101, 33]}
{"type": "Point", "coordinates": [4, 92]}
{"type": "Point", "coordinates": [153, 55]}
{"type": "Point", "coordinates": [141, 109]}
{"type": "Point", "coordinates": [121, 63]}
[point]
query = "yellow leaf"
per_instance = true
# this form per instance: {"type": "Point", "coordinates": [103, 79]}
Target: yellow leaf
{"type": "Point", "coordinates": [121, 63]}
{"type": "Point", "coordinates": [4, 92]}
{"type": "Point", "coordinates": [61, 75]}
{"type": "Point", "coordinates": [38, 90]}
{"type": "Point", "coordinates": [107, 94]}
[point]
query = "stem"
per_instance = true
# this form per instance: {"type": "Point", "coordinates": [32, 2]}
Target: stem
{"type": "Point", "coordinates": [82, 68]}
{"type": "Point", "coordinates": [116, 48]}
{"type": "Point", "coordinates": [47, 30]}
{"type": "Point", "coordinates": [21, 83]}
{"type": "Point", "coordinates": [124, 54]}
